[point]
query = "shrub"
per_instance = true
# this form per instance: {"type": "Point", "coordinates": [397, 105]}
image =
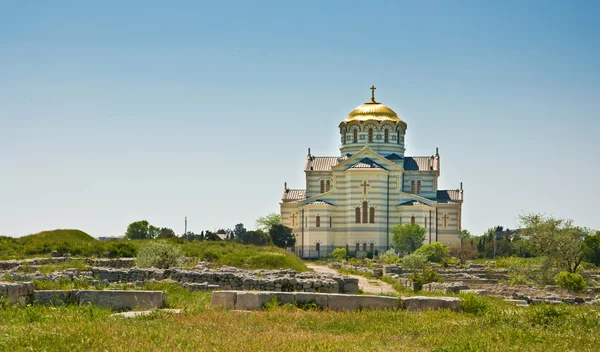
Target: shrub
{"type": "Point", "coordinates": [569, 281]}
{"type": "Point", "coordinates": [389, 257]}
{"type": "Point", "coordinates": [426, 276]}
{"type": "Point", "coordinates": [435, 252]}
{"type": "Point", "coordinates": [473, 304]}
{"type": "Point", "coordinates": [120, 249]}
{"type": "Point", "coordinates": [414, 262]}
{"type": "Point", "coordinates": [339, 254]}
{"type": "Point", "coordinates": [159, 255]}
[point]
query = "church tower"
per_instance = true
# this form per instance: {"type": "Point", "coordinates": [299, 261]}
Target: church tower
{"type": "Point", "coordinates": [375, 124]}
{"type": "Point", "coordinates": [353, 200]}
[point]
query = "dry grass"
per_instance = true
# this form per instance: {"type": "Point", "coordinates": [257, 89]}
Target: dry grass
{"type": "Point", "coordinates": [497, 327]}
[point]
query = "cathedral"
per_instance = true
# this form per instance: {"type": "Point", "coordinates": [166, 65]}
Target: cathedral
{"type": "Point", "coordinates": [356, 198]}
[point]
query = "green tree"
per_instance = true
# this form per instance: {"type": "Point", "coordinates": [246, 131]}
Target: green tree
{"type": "Point", "coordinates": [339, 254]}
{"type": "Point", "coordinates": [557, 239]}
{"type": "Point", "coordinates": [257, 238]}
{"type": "Point", "coordinates": [282, 236]}
{"type": "Point", "coordinates": [141, 230]}
{"type": "Point", "coordinates": [407, 237]}
{"type": "Point", "coordinates": [239, 231]}
{"type": "Point", "coordinates": [435, 252]}
{"type": "Point", "coordinates": [463, 253]}
{"type": "Point", "coordinates": [465, 235]}
{"type": "Point", "coordinates": [265, 223]}
{"type": "Point", "coordinates": [166, 232]}
{"type": "Point", "coordinates": [591, 248]}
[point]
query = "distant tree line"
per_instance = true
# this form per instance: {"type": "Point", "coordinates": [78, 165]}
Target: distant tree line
{"type": "Point", "coordinates": [269, 231]}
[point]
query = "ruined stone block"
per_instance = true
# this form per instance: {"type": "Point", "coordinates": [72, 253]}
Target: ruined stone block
{"type": "Point", "coordinates": [121, 300]}
{"type": "Point", "coordinates": [226, 299]}
{"type": "Point", "coordinates": [53, 297]}
{"type": "Point", "coordinates": [417, 303]}
{"type": "Point", "coordinates": [252, 300]}
{"type": "Point", "coordinates": [320, 299]}
{"type": "Point", "coordinates": [379, 302]}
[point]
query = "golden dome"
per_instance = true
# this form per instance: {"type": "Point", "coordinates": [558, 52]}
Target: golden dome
{"type": "Point", "coordinates": [373, 111]}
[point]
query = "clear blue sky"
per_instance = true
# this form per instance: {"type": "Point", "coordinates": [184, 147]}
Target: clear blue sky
{"type": "Point", "coordinates": [116, 111]}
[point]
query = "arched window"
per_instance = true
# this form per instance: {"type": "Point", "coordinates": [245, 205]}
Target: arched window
{"type": "Point", "coordinates": [370, 135]}
{"type": "Point", "coordinates": [327, 185]}
{"type": "Point", "coordinates": [357, 247]}
{"type": "Point", "coordinates": [372, 248]}
{"type": "Point", "coordinates": [322, 186]}
{"type": "Point", "coordinates": [372, 215]}
{"type": "Point", "coordinates": [412, 220]}
{"type": "Point", "coordinates": [355, 136]}
{"type": "Point", "coordinates": [365, 246]}
{"type": "Point", "coordinates": [318, 247]}
{"type": "Point", "coordinates": [419, 187]}
{"type": "Point", "coordinates": [331, 221]}
{"type": "Point", "coordinates": [357, 215]}
{"type": "Point", "coordinates": [344, 138]}
{"type": "Point", "coordinates": [386, 136]}
{"type": "Point", "coordinates": [318, 221]}
{"type": "Point", "coordinates": [398, 136]}
{"type": "Point", "coordinates": [365, 212]}
{"type": "Point", "coordinates": [413, 187]}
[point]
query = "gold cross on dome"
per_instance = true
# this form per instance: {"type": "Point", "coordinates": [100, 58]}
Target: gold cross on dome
{"type": "Point", "coordinates": [372, 93]}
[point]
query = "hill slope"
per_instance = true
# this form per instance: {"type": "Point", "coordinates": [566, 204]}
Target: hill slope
{"type": "Point", "coordinates": [58, 236]}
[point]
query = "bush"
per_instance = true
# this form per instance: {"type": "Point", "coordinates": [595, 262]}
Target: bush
{"type": "Point", "coordinates": [569, 281]}
{"type": "Point", "coordinates": [426, 276]}
{"type": "Point", "coordinates": [389, 257]}
{"type": "Point", "coordinates": [473, 304]}
{"type": "Point", "coordinates": [160, 255]}
{"type": "Point", "coordinates": [414, 262]}
{"type": "Point", "coordinates": [435, 252]}
{"type": "Point", "coordinates": [339, 254]}
{"type": "Point", "coordinates": [120, 249]}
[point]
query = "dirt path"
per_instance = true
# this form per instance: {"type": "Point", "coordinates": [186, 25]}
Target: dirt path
{"type": "Point", "coordinates": [366, 285]}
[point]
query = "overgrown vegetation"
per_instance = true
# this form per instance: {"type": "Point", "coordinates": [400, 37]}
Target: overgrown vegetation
{"type": "Point", "coordinates": [72, 242]}
{"type": "Point", "coordinates": [570, 281]}
{"type": "Point", "coordinates": [486, 324]}
{"type": "Point", "coordinates": [160, 255]}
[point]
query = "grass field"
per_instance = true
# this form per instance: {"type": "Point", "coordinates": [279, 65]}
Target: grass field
{"type": "Point", "coordinates": [489, 325]}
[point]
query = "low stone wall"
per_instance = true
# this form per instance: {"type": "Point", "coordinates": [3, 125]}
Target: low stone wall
{"type": "Point", "coordinates": [121, 263]}
{"type": "Point", "coordinates": [225, 278]}
{"type": "Point", "coordinates": [445, 287]}
{"type": "Point", "coordinates": [256, 300]}
{"type": "Point", "coordinates": [17, 292]}
{"type": "Point", "coordinates": [111, 299]}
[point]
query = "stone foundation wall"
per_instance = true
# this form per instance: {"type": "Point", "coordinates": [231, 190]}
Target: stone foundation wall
{"type": "Point", "coordinates": [224, 278]}
{"type": "Point", "coordinates": [256, 300]}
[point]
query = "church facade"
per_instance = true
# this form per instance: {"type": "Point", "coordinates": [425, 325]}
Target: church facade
{"type": "Point", "coordinates": [356, 198]}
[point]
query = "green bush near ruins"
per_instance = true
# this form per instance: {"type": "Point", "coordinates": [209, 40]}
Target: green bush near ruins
{"type": "Point", "coordinates": [569, 281]}
{"type": "Point", "coordinates": [160, 255]}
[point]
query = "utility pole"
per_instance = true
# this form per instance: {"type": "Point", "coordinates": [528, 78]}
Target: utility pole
{"type": "Point", "coordinates": [185, 233]}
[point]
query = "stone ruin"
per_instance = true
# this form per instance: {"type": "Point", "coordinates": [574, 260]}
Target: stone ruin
{"type": "Point", "coordinates": [480, 279]}
{"type": "Point", "coordinates": [104, 272]}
